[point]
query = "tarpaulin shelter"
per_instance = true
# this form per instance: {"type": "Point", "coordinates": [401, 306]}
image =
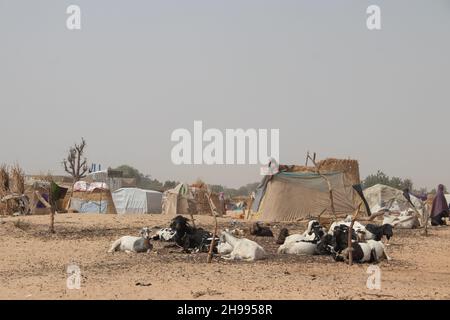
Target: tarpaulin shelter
{"type": "Point", "coordinates": [190, 199]}
{"type": "Point", "coordinates": [178, 200]}
{"type": "Point", "coordinates": [91, 198]}
{"type": "Point", "coordinates": [135, 200]}
{"type": "Point", "coordinates": [291, 196]}
{"type": "Point", "coordinates": [384, 197]}
{"type": "Point", "coordinates": [300, 192]}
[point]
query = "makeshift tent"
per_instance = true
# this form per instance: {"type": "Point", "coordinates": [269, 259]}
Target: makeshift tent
{"type": "Point", "coordinates": [91, 200]}
{"type": "Point", "coordinates": [45, 188]}
{"type": "Point", "coordinates": [178, 200]}
{"type": "Point", "coordinates": [447, 197]}
{"type": "Point", "coordinates": [185, 199]}
{"type": "Point", "coordinates": [384, 197]}
{"type": "Point", "coordinates": [291, 196]}
{"type": "Point", "coordinates": [135, 200]}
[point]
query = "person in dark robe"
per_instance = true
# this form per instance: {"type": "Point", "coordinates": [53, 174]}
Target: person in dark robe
{"type": "Point", "coordinates": [440, 208]}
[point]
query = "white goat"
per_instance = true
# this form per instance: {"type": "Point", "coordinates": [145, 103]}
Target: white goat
{"type": "Point", "coordinates": [371, 250]}
{"type": "Point", "coordinates": [133, 244]}
{"type": "Point", "coordinates": [224, 248]}
{"type": "Point", "coordinates": [360, 229]}
{"type": "Point", "coordinates": [166, 234]}
{"type": "Point", "coordinates": [243, 249]}
{"type": "Point", "coordinates": [305, 236]}
{"type": "Point", "coordinates": [299, 248]}
{"type": "Point", "coordinates": [380, 249]}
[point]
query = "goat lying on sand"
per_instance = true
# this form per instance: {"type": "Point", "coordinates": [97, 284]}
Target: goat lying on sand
{"type": "Point", "coordinates": [243, 249]}
{"type": "Point", "coordinates": [166, 234]}
{"type": "Point", "coordinates": [370, 251]}
{"type": "Point", "coordinates": [313, 232]}
{"type": "Point", "coordinates": [133, 244]}
{"type": "Point", "coordinates": [260, 231]}
{"type": "Point", "coordinates": [365, 233]}
{"type": "Point", "coordinates": [304, 244]}
{"type": "Point", "coordinates": [189, 237]}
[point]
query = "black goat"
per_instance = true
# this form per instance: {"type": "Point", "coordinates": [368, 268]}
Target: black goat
{"type": "Point", "coordinates": [284, 233]}
{"type": "Point", "coordinates": [189, 237]}
{"type": "Point", "coordinates": [260, 231]}
{"type": "Point", "coordinates": [380, 231]}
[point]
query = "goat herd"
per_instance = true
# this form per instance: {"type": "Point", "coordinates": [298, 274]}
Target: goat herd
{"type": "Point", "coordinates": [366, 241]}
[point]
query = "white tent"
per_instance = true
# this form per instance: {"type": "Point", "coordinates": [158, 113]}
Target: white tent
{"type": "Point", "coordinates": [447, 197]}
{"type": "Point", "coordinates": [380, 196]}
{"type": "Point", "coordinates": [135, 200]}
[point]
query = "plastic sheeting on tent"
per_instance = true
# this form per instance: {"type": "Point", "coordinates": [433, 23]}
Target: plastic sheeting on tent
{"type": "Point", "coordinates": [135, 200]}
{"type": "Point", "coordinates": [290, 196]}
{"type": "Point", "coordinates": [384, 197]}
{"type": "Point", "coordinates": [86, 206]}
{"type": "Point", "coordinates": [177, 200]}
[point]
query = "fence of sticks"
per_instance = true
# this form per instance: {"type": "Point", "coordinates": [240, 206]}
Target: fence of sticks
{"type": "Point", "coordinates": [12, 181]}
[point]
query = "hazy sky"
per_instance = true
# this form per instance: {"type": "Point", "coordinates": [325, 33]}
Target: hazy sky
{"type": "Point", "coordinates": [137, 70]}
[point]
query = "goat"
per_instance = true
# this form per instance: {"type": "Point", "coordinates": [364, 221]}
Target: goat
{"type": "Point", "coordinates": [224, 248]}
{"type": "Point", "coordinates": [243, 249]}
{"type": "Point", "coordinates": [371, 251]}
{"type": "Point", "coordinates": [307, 243]}
{"type": "Point", "coordinates": [189, 237]}
{"type": "Point", "coordinates": [260, 231]}
{"type": "Point", "coordinates": [379, 231]}
{"type": "Point", "coordinates": [133, 244]}
{"type": "Point", "coordinates": [313, 232]}
{"type": "Point", "coordinates": [166, 234]}
{"type": "Point", "coordinates": [361, 230]}
{"type": "Point", "coordinates": [300, 248]}
{"type": "Point", "coordinates": [284, 233]}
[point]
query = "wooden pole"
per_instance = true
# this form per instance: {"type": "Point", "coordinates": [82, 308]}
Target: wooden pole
{"type": "Point", "coordinates": [330, 189]}
{"type": "Point", "coordinates": [350, 248]}
{"type": "Point", "coordinates": [213, 242]}
{"type": "Point", "coordinates": [49, 206]}
{"type": "Point", "coordinates": [249, 210]}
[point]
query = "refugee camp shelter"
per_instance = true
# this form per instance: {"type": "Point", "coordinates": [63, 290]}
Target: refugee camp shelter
{"type": "Point", "coordinates": [135, 200]}
{"type": "Point", "coordinates": [92, 197]}
{"type": "Point", "coordinates": [384, 197]}
{"type": "Point", "coordinates": [189, 199]}
{"type": "Point", "coordinates": [112, 178]}
{"type": "Point", "coordinates": [43, 187]}
{"type": "Point", "coordinates": [299, 193]}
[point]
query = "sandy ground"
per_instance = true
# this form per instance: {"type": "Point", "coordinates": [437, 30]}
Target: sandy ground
{"type": "Point", "coordinates": [33, 265]}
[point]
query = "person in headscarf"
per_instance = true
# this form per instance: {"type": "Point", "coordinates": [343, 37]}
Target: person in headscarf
{"type": "Point", "coordinates": [440, 208]}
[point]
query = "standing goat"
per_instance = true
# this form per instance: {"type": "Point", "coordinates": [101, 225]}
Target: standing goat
{"type": "Point", "coordinates": [133, 244]}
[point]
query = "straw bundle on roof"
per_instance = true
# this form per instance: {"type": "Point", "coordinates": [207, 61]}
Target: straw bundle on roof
{"type": "Point", "coordinates": [349, 167]}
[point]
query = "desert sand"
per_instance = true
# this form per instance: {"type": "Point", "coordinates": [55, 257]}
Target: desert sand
{"type": "Point", "coordinates": [33, 265]}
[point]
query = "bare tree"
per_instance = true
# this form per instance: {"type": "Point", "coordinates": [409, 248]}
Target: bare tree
{"type": "Point", "coordinates": [75, 164]}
